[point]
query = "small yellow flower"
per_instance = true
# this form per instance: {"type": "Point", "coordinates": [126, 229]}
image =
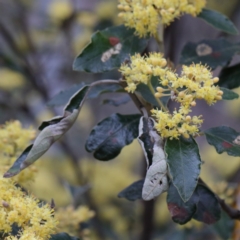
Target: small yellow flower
{"type": "Point", "coordinates": [70, 218]}
{"type": "Point", "coordinates": [194, 82]}
{"type": "Point", "coordinates": [176, 124]}
{"type": "Point", "coordinates": [36, 222]}
{"type": "Point", "coordinates": [146, 15]}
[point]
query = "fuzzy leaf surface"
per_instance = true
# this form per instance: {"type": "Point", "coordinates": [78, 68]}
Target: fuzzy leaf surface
{"type": "Point", "coordinates": [184, 165]}
{"type": "Point", "coordinates": [218, 20]}
{"type": "Point", "coordinates": [110, 135]}
{"type": "Point", "coordinates": [214, 53]}
{"type": "Point", "coordinates": [230, 77]}
{"type": "Point", "coordinates": [224, 139]}
{"type": "Point", "coordinates": [102, 53]}
{"type": "Point", "coordinates": [133, 191]}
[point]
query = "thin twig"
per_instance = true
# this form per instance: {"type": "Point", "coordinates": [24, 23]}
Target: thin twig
{"type": "Point", "coordinates": [231, 212]}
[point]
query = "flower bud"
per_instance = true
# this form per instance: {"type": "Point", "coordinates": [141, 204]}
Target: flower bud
{"type": "Point", "coordinates": [218, 97]}
{"type": "Point", "coordinates": [215, 80]}
{"type": "Point", "coordinates": [193, 103]}
{"type": "Point", "coordinates": [158, 95]}
{"type": "Point", "coordinates": [186, 135]}
{"type": "Point", "coordinates": [120, 7]}
{"type": "Point", "coordinates": [160, 89]}
{"type": "Point", "coordinates": [188, 118]}
{"type": "Point", "coordinates": [181, 94]}
{"type": "Point", "coordinates": [163, 62]}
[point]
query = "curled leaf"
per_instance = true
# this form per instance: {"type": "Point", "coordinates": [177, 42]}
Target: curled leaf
{"type": "Point", "coordinates": [51, 131]}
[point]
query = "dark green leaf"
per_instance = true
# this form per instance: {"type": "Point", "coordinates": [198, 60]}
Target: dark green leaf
{"type": "Point", "coordinates": [218, 20]}
{"type": "Point", "coordinates": [208, 208]}
{"type": "Point", "coordinates": [132, 192]}
{"type": "Point", "coordinates": [181, 212]}
{"type": "Point", "coordinates": [74, 102]}
{"type": "Point", "coordinates": [108, 138]}
{"type": "Point", "coordinates": [63, 236]}
{"type": "Point", "coordinates": [214, 53]}
{"type": "Point", "coordinates": [104, 88]}
{"type": "Point", "coordinates": [63, 97]}
{"type": "Point", "coordinates": [224, 139]}
{"type": "Point", "coordinates": [230, 77]}
{"type": "Point", "coordinates": [144, 90]}
{"type": "Point", "coordinates": [184, 165]}
{"type": "Point", "coordinates": [202, 206]}
{"type": "Point", "coordinates": [50, 122]}
{"type": "Point", "coordinates": [77, 99]}
{"type": "Point", "coordinates": [228, 94]}
{"type": "Point", "coordinates": [224, 227]}
{"type": "Point", "coordinates": [108, 49]}
{"type": "Point", "coordinates": [117, 101]}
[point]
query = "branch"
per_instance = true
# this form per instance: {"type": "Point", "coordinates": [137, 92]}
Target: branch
{"type": "Point", "coordinates": [231, 212]}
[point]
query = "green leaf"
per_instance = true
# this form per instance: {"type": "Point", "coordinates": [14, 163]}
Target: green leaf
{"type": "Point", "coordinates": [202, 206]}
{"type": "Point", "coordinates": [228, 94]}
{"type": "Point", "coordinates": [104, 88]}
{"type": "Point", "coordinates": [108, 138]}
{"type": "Point", "coordinates": [63, 97]}
{"type": "Point", "coordinates": [144, 90]}
{"type": "Point", "coordinates": [108, 49]}
{"type": "Point", "coordinates": [184, 165]}
{"type": "Point", "coordinates": [117, 101]}
{"type": "Point", "coordinates": [51, 131]}
{"type": "Point", "coordinates": [230, 77]}
{"type": "Point", "coordinates": [181, 212]}
{"type": "Point", "coordinates": [208, 208]}
{"type": "Point", "coordinates": [224, 139]}
{"type": "Point", "coordinates": [218, 20]}
{"type": "Point", "coordinates": [214, 53]}
{"type": "Point", "coordinates": [224, 227]}
{"type": "Point", "coordinates": [63, 236]}
{"type": "Point", "coordinates": [132, 192]}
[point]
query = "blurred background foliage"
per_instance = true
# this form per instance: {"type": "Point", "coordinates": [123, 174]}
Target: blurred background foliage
{"type": "Point", "coordinates": [38, 43]}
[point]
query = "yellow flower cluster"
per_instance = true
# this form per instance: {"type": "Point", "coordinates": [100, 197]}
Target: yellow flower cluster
{"type": "Point", "coordinates": [142, 69]}
{"type": "Point", "coordinates": [194, 82]}
{"type": "Point", "coordinates": [70, 218]}
{"type": "Point", "coordinates": [13, 140]}
{"type": "Point", "coordinates": [146, 15]}
{"type": "Point", "coordinates": [36, 222]}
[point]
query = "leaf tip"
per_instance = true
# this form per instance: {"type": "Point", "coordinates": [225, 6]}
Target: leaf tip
{"type": "Point", "coordinates": [9, 174]}
{"type": "Point", "coordinates": [177, 213]}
